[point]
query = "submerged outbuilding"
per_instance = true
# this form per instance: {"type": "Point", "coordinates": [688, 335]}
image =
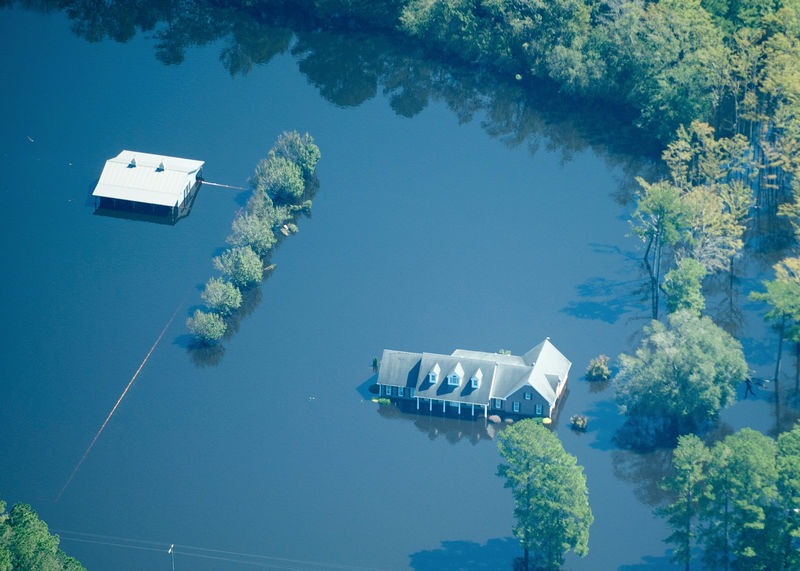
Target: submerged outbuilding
{"type": "Point", "coordinates": [144, 182]}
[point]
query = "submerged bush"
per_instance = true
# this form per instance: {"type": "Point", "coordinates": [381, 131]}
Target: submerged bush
{"type": "Point", "coordinates": [279, 178]}
{"type": "Point", "coordinates": [300, 150]}
{"type": "Point", "coordinates": [254, 231]}
{"type": "Point", "coordinates": [207, 327]}
{"type": "Point", "coordinates": [598, 369]}
{"type": "Point", "coordinates": [222, 296]}
{"type": "Point", "coordinates": [242, 266]}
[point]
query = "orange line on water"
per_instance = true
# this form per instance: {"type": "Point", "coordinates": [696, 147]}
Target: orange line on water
{"type": "Point", "coordinates": [119, 400]}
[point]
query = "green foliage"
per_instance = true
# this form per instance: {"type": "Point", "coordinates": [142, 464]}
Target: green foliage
{"type": "Point", "coordinates": [299, 150]}
{"type": "Point", "coordinates": [736, 501]}
{"type": "Point", "coordinates": [242, 266]}
{"type": "Point", "coordinates": [683, 374]}
{"type": "Point", "coordinates": [661, 216]}
{"type": "Point", "coordinates": [551, 505]}
{"type": "Point", "coordinates": [207, 327]}
{"type": "Point", "coordinates": [783, 293]}
{"type": "Point", "coordinates": [683, 286]}
{"type": "Point", "coordinates": [383, 401]}
{"type": "Point", "coordinates": [598, 369]}
{"type": "Point", "coordinates": [252, 230]}
{"type": "Point", "coordinates": [27, 545]}
{"type": "Point", "coordinates": [279, 178]}
{"type": "Point", "coordinates": [222, 296]}
{"type": "Point", "coordinates": [689, 461]}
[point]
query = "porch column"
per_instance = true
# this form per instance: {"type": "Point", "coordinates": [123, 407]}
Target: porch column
{"type": "Point", "coordinates": [486, 411]}
{"type": "Point", "coordinates": [473, 409]}
{"type": "Point", "coordinates": [417, 403]}
{"type": "Point", "coordinates": [443, 405]}
{"type": "Point", "coordinates": [459, 409]}
{"type": "Point", "coordinates": [430, 405]}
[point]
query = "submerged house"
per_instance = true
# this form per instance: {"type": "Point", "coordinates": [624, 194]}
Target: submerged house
{"type": "Point", "coordinates": [470, 383]}
{"type": "Point", "coordinates": [143, 181]}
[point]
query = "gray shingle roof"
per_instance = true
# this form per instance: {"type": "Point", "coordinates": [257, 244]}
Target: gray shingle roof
{"type": "Point", "coordinates": [542, 368]}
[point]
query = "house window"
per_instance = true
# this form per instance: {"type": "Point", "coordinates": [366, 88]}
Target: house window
{"type": "Point", "coordinates": [515, 406]}
{"type": "Point", "coordinates": [401, 392]}
{"type": "Point", "coordinates": [453, 380]}
{"type": "Point", "coordinates": [388, 391]}
{"type": "Point", "coordinates": [498, 403]}
{"type": "Point", "coordinates": [527, 396]}
{"type": "Point", "coordinates": [411, 392]}
{"type": "Point", "coordinates": [432, 378]}
{"type": "Point", "coordinates": [538, 410]}
{"type": "Point", "coordinates": [475, 382]}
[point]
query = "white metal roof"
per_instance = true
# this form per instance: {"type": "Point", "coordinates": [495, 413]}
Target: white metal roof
{"type": "Point", "coordinates": [155, 179]}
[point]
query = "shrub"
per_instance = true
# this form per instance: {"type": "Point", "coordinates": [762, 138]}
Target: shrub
{"type": "Point", "coordinates": [207, 327]}
{"type": "Point", "coordinates": [242, 266]}
{"type": "Point", "coordinates": [598, 369]}
{"type": "Point", "coordinates": [254, 231]}
{"type": "Point", "coordinates": [300, 150]}
{"type": "Point", "coordinates": [222, 296]}
{"type": "Point", "coordinates": [279, 178]}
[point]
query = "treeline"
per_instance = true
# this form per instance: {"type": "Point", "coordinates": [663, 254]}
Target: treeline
{"type": "Point", "coordinates": [737, 501]}
{"type": "Point", "coordinates": [281, 186]}
{"type": "Point", "coordinates": [27, 545]}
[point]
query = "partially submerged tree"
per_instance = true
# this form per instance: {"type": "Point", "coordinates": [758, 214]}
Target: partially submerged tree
{"type": "Point", "coordinates": [683, 286]}
{"type": "Point", "coordinates": [689, 461]}
{"type": "Point", "coordinates": [242, 266]}
{"type": "Point", "coordinates": [660, 220]}
{"type": "Point", "coordinates": [222, 296]}
{"type": "Point", "coordinates": [280, 178]}
{"type": "Point", "coordinates": [207, 327]}
{"type": "Point", "coordinates": [300, 150]}
{"type": "Point", "coordinates": [551, 503]}
{"type": "Point", "coordinates": [682, 374]}
{"type": "Point", "coordinates": [254, 231]}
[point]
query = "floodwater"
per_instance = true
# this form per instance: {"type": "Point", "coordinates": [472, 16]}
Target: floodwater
{"type": "Point", "coordinates": [451, 213]}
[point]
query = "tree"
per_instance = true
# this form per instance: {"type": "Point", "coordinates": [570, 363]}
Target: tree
{"type": "Point", "coordinates": [27, 545]}
{"type": "Point", "coordinates": [241, 266]}
{"type": "Point", "coordinates": [783, 297]}
{"type": "Point", "coordinates": [660, 219]}
{"type": "Point", "coordinates": [300, 150]}
{"type": "Point", "coordinates": [788, 532]}
{"type": "Point", "coordinates": [681, 375]}
{"type": "Point", "coordinates": [222, 296]}
{"type": "Point", "coordinates": [254, 231]}
{"type": "Point", "coordinates": [684, 285]}
{"type": "Point", "coordinates": [551, 504]}
{"type": "Point", "coordinates": [742, 480]}
{"type": "Point", "coordinates": [280, 178]}
{"type": "Point", "coordinates": [207, 327]}
{"type": "Point", "coordinates": [689, 460]}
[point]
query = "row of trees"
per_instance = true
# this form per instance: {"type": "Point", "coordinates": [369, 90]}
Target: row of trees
{"type": "Point", "coordinates": [738, 501]}
{"type": "Point", "coordinates": [280, 184]}
{"type": "Point", "coordinates": [27, 545]}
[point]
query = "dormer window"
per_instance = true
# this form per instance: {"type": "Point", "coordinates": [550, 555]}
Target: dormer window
{"type": "Point", "coordinates": [453, 380]}
{"type": "Point", "coordinates": [433, 374]}
{"type": "Point", "coordinates": [475, 381]}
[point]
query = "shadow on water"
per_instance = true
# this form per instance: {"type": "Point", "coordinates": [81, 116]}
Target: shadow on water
{"type": "Point", "coordinates": [462, 555]}
{"type": "Point", "coordinates": [434, 425]}
{"type": "Point", "coordinates": [351, 66]}
{"type": "Point", "coordinates": [650, 563]}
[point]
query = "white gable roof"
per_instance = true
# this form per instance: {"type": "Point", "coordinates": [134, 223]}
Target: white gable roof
{"type": "Point", "coordinates": [155, 179]}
